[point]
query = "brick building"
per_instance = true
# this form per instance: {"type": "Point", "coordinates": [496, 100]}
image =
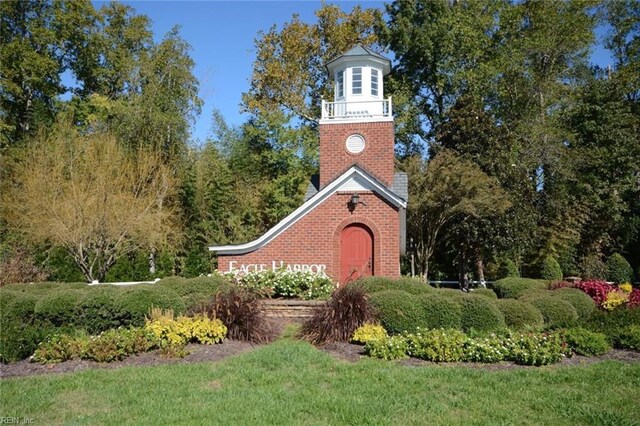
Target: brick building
{"type": "Point", "coordinates": [352, 221]}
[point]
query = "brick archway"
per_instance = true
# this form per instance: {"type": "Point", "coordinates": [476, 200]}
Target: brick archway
{"type": "Point", "coordinates": [336, 241]}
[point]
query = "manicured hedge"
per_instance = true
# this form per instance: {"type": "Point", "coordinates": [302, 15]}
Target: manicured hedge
{"type": "Point", "coordinates": [410, 285]}
{"type": "Point", "coordinates": [556, 312]}
{"type": "Point", "coordinates": [520, 315]}
{"type": "Point", "coordinates": [480, 313]}
{"type": "Point", "coordinates": [512, 287]}
{"type": "Point", "coordinates": [439, 311]}
{"type": "Point", "coordinates": [184, 286]}
{"type": "Point", "coordinates": [98, 310]}
{"type": "Point", "coordinates": [398, 311]}
{"type": "Point", "coordinates": [486, 292]}
{"type": "Point", "coordinates": [58, 308]}
{"type": "Point", "coordinates": [135, 302]}
{"type": "Point", "coordinates": [584, 305]}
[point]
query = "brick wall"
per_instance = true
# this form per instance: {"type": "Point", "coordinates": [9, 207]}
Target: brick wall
{"type": "Point", "coordinates": [376, 159]}
{"type": "Point", "coordinates": [315, 238]}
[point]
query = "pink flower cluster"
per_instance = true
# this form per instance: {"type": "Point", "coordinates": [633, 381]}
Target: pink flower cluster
{"type": "Point", "coordinates": [634, 298]}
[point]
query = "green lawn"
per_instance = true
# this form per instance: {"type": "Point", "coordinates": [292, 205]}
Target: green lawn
{"type": "Point", "coordinates": [290, 382]}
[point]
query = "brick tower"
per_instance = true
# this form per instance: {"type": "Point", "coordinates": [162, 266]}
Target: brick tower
{"type": "Point", "coordinates": [352, 221]}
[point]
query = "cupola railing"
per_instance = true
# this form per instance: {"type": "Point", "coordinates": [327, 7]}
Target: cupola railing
{"type": "Point", "coordinates": [357, 110]}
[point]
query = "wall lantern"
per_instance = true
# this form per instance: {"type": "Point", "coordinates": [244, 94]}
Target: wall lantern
{"type": "Point", "coordinates": [354, 201]}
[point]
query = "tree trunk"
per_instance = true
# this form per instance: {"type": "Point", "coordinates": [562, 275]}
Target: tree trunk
{"type": "Point", "coordinates": [152, 262]}
{"type": "Point", "coordinates": [479, 265]}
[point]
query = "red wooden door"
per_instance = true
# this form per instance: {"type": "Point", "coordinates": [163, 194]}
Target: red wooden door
{"type": "Point", "coordinates": [356, 253]}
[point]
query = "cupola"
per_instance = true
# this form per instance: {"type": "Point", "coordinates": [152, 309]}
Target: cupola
{"type": "Point", "coordinates": [358, 77]}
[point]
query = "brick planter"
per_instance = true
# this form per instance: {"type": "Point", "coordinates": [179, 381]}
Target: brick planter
{"type": "Point", "coordinates": [290, 309]}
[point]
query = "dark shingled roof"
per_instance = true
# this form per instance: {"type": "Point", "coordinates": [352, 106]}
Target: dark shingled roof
{"type": "Point", "coordinates": [400, 186]}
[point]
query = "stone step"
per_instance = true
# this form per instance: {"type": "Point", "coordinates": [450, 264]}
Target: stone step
{"type": "Point", "coordinates": [290, 308]}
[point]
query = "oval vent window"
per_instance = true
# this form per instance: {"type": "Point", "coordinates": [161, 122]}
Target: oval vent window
{"type": "Point", "coordinates": [355, 144]}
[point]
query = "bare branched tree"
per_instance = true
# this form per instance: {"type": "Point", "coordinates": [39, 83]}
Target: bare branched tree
{"type": "Point", "coordinates": [88, 195]}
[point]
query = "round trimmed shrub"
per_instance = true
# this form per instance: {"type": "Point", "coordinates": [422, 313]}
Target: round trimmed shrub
{"type": "Point", "coordinates": [486, 292]}
{"type": "Point", "coordinates": [186, 286]}
{"type": "Point", "coordinates": [550, 269]}
{"type": "Point", "coordinates": [58, 308]}
{"type": "Point", "coordinates": [520, 315]}
{"type": "Point", "coordinates": [618, 269]}
{"type": "Point", "coordinates": [98, 310]}
{"type": "Point", "coordinates": [481, 314]}
{"type": "Point", "coordinates": [556, 312]}
{"type": "Point", "coordinates": [439, 311]}
{"type": "Point", "coordinates": [194, 301]}
{"type": "Point", "coordinates": [135, 302]}
{"type": "Point", "coordinates": [410, 285]}
{"type": "Point", "coordinates": [580, 300]}
{"type": "Point", "coordinates": [398, 311]}
{"type": "Point", "coordinates": [512, 288]}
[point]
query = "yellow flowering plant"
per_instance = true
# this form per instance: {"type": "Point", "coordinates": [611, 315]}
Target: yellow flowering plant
{"type": "Point", "coordinates": [368, 332]}
{"type": "Point", "coordinates": [626, 287]}
{"type": "Point", "coordinates": [615, 299]}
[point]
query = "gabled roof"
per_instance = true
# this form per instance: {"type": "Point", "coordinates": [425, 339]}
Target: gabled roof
{"type": "Point", "coordinates": [353, 179]}
{"type": "Point", "coordinates": [399, 186]}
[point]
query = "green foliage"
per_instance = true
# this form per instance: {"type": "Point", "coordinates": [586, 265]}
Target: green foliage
{"type": "Point", "coordinates": [556, 312]}
{"type": "Point", "coordinates": [513, 288]}
{"type": "Point", "coordinates": [585, 342]}
{"type": "Point", "coordinates": [368, 332]}
{"type": "Point", "coordinates": [398, 311]}
{"type": "Point", "coordinates": [536, 349]}
{"type": "Point", "coordinates": [520, 315]}
{"type": "Point", "coordinates": [481, 314]}
{"type": "Point", "coordinates": [618, 269]}
{"type": "Point", "coordinates": [133, 267]}
{"type": "Point", "coordinates": [113, 345]}
{"type": "Point", "coordinates": [62, 267]}
{"type": "Point", "coordinates": [550, 269]}
{"type": "Point", "coordinates": [628, 338]}
{"type": "Point", "coordinates": [183, 286]}
{"type": "Point", "coordinates": [194, 302]}
{"type": "Point", "coordinates": [584, 305]}
{"type": "Point", "coordinates": [592, 267]}
{"type": "Point", "coordinates": [507, 269]}
{"type": "Point", "coordinates": [18, 340]}
{"type": "Point", "coordinates": [485, 292]}
{"type": "Point", "coordinates": [98, 310]}
{"type": "Point", "coordinates": [58, 308]}
{"type": "Point", "coordinates": [408, 284]}
{"type": "Point", "coordinates": [618, 325]}
{"type": "Point", "coordinates": [438, 311]}
{"type": "Point", "coordinates": [136, 302]}
{"type": "Point", "coordinates": [389, 348]}
{"type": "Point", "coordinates": [170, 332]}
{"type": "Point", "coordinates": [436, 345]}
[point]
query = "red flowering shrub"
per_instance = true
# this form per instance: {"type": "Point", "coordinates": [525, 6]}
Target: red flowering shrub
{"type": "Point", "coordinates": [597, 289]}
{"type": "Point", "coordinates": [634, 298]}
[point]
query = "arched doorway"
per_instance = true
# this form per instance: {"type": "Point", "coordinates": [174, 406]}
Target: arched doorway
{"type": "Point", "coordinates": [356, 253]}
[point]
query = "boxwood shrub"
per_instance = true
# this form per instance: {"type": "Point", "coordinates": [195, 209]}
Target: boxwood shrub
{"type": "Point", "coordinates": [556, 312]}
{"type": "Point", "coordinates": [398, 311]}
{"type": "Point", "coordinates": [520, 315]}
{"type": "Point", "coordinates": [98, 309]}
{"type": "Point", "coordinates": [194, 301]}
{"type": "Point", "coordinates": [513, 287]}
{"type": "Point", "coordinates": [480, 313]}
{"type": "Point", "coordinates": [439, 311]}
{"type": "Point", "coordinates": [184, 286]}
{"type": "Point", "coordinates": [584, 305]}
{"type": "Point", "coordinates": [135, 302]}
{"type": "Point", "coordinates": [410, 285]}
{"type": "Point", "coordinates": [486, 292]}
{"type": "Point", "coordinates": [58, 308]}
